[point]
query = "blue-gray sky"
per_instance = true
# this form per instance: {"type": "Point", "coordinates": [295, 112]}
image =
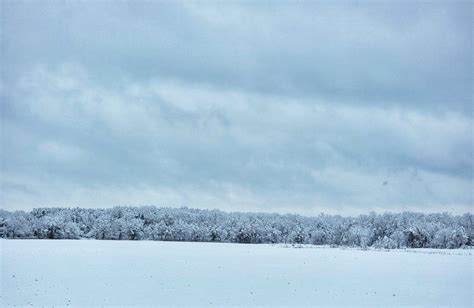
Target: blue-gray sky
{"type": "Point", "coordinates": [306, 107]}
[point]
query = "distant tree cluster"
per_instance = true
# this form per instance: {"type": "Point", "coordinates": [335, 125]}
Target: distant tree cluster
{"type": "Point", "coordinates": [388, 230]}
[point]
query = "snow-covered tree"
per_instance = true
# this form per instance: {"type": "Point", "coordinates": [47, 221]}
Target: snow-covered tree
{"type": "Point", "coordinates": [388, 230]}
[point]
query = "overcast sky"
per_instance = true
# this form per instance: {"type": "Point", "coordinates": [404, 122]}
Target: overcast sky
{"type": "Point", "coordinates": [305, 107]}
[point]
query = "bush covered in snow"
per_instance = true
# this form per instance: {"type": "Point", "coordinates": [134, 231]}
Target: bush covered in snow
{"type": "Point", "coordinates": [388, 230]}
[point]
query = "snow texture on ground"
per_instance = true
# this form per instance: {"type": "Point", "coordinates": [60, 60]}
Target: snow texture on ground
{"type": "Point", "coordinates": [146, 273]}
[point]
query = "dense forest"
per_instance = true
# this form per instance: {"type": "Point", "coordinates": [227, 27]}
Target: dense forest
{"type": "Point", "coordinates": [388, 230]}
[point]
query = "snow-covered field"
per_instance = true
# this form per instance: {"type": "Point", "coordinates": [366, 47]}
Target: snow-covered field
{"type": "Point", "coordinates": [144, 273]}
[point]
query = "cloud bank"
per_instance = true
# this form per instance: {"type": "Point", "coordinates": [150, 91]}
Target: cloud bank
{"type": "Point", "coordinates": [302, 108]}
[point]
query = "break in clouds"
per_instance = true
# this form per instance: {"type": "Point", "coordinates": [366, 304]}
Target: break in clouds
{"type": "Point", "coordinates": [303, 108]}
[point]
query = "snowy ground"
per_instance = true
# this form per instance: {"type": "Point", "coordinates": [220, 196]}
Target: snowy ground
{"type": "Point", "coordinates": [126, 273]}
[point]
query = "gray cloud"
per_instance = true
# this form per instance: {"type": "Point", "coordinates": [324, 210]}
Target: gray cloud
{"type": "Point", "coordinates": [303, 108]}
{"type": "Point", "coordinates": [379, 54]}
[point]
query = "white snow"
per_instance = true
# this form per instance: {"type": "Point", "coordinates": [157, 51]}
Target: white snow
{"type": "Point", "coordinates": [147, 273]}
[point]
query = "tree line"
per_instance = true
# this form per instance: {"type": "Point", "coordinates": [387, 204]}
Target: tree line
{"type": "Point", "coordinates": [387, 230]}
